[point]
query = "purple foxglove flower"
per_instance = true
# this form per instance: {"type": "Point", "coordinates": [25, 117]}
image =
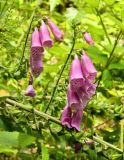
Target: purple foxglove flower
{"type": "Point", "coordinates": [45, 36]}
{"type": "Point", "coordinates": [88, 68]}
{"type": "Point", "coordinates": [76, 75]}
{"type": "Point", "coordinates": [66, 117]}
{"type": "Point", "coordinates": [36, 47]}
{"type": "Point", "coordinates": [91, 90]}
{"type": "Point", "coordinates": [76, 119]}
{"type": "Point", "coordinates": [88, 38]}
{"type": "Point", "coordinates": [73, 99]}
{"type": "Point", "coordinates": [36, 66]}
{"type": "Point", "coordinates": [55, 30]}
{"type": "Point", "coordinates": [30, 91]}
{"type": "Point", "coordinates": [84, 97]}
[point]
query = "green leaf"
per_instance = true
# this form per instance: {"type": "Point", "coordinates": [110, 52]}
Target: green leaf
{"type": "Point", "coordinates": [93, 3]}
{"type": "Point", "coordinates": [71, 13]}
{"type": "Point", "coordinates": [96, 55]}
{"type": "Point", "coordinates": [116, 66]}
{"type": "Point", "coordinates": [106, 78]}
{"type": "Point", "coordinates": [25, 140]}
{"type": "Point", "coordinates": [8, 139]}
{"type": "Point", "coordinates": [53, 4]}
{"type": "Point", "coordinates": [14, 139]}
{"type": "Point", "coordinates": [45, 154]}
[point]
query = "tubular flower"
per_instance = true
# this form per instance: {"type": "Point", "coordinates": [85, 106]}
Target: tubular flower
{"type": "Point", "coordinates": [76, 76]}
{"type": "Point", "coordinates": [76, 119]}
{"type": "Point", "coordinates": [55, 30]}
{"type": "Point", "coordinates": [88, 38]}
{"type": "Point", "coordinates": [45, 36]}
{"type": "Point", "coordinates": [73, 99]}
{"type": "Point", "coordinates": [36, 66]}
{"type": "Point", "coordinates": [36, 47]}
{"type": "Point", "coordinates": [30, 91]}
{"type": "Point", "coordinates": [88, 68]}
{"type": "Point", "coordinates": [79, 92]}
{"type": "Point", "coordinates": [66, 117]}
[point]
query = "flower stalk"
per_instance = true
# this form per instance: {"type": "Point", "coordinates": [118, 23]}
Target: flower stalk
{"type": "Point", "coordinates": [53, 119]}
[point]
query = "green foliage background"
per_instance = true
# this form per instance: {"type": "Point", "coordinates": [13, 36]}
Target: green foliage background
{"type": "Point", "coordinates": [27, 136]}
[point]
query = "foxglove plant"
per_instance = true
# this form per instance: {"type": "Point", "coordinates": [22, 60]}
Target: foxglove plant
{"type": "Point", "coordinates": [80, 90]}
{"type": "Point", "coordinates": [30, 90]}
{"type": "Point", "coordinates": [88, 68]}
{"type": "Point", "coordinates": [76, 76]}
{"type": "Point", "coordinates": [36, 54]}
{"type": "Point", "coordinates": [55, 30]}
{"type": "Point", "coordinates": [88, 38]}
{"type": "Point", "coordinates": [45, 36]}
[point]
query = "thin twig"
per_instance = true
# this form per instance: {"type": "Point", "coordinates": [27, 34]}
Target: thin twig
{"type": "Point", "coordinates": [38, 113]}
{"type": "Point", "coordinates": [102, 23]}
{"type": "Point", "coordinates": [26, 39]}
{"type": "Point", "coordinates": [110, 56]}
{"type": "Point", "coordinates": [53, 119]}
{"type": "Point", "coordinates": [61, 72]}
{"type": "Point", "coordinates": [97, 139]}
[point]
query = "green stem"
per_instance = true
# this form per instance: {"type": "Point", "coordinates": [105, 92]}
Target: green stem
{"type": "Point", "coordinates": [38, 113]}
{"type": "Point", "coordinates": [53, 119]}
{"type": "Point", "coordinates": [3, 7]}
{"type": "Point", "coordinates": [61, 72]}
{"type": "Point", "coordinates": [107, 144]}
{"type": "Point", "coordinates": [102, 23]}
{"type": "Point", "coordinates": [122, 135]}
{"type": "Point", "coordinates": [29, 28]}
{"type": "Point", "coordinates": [110, 56]}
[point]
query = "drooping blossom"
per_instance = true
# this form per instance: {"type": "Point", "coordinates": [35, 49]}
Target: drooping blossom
{"type": "Point", "coordinates": [36, 46]}
{"type": "Point", "coordinates": [76, 75]}
{"type": "Point", "coordinates": [66, 117]}
{"type": "Point", "coordinates": [73, 99]}
{"type": "Point", "coordinates": [45, 36]}
{"type": "Point", "coordinates": [88, 38]}
{"type": "Point", "coordinates": [88, 68]}
{"type": "Point", "coordinates": [58, 34]}
{"type": "Point", "coordinates": [79, 92]}
{"type": "Point", "coordinates": [76, 119]}
{"type": "Point", "coordinates": [36, 66]}
{"type": "Point", "coordinates": [30, 91]}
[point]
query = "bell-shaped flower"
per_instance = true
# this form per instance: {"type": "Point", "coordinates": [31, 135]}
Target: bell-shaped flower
{"type": "Point", "coordinates": [36, 47]}
{"type": "Point", "coordinates": [88, 38]}
{"type": "Point", "coordinates": [58, 34]}
{"type": "Point", "coordinates": [84, 98]}
{"type": "Point", "coordinates": [76, 119]}
{"type": "Point", "coordinates": [73, 99]}
{"type": "Point", "coordinates": [30, 91]}
{"type": "Point", "coordinates": [36, 66]}
{"type": "Point", "coordinates": [91, 90]}
{"type": "Point", "coordinates": [45, 36]}
{"type": "Point", "coordinates": [76, 75]}
{"type": "Point", "coordinates": [66, 117]}
{"type": "Point", "coordinates": [88, 68]}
